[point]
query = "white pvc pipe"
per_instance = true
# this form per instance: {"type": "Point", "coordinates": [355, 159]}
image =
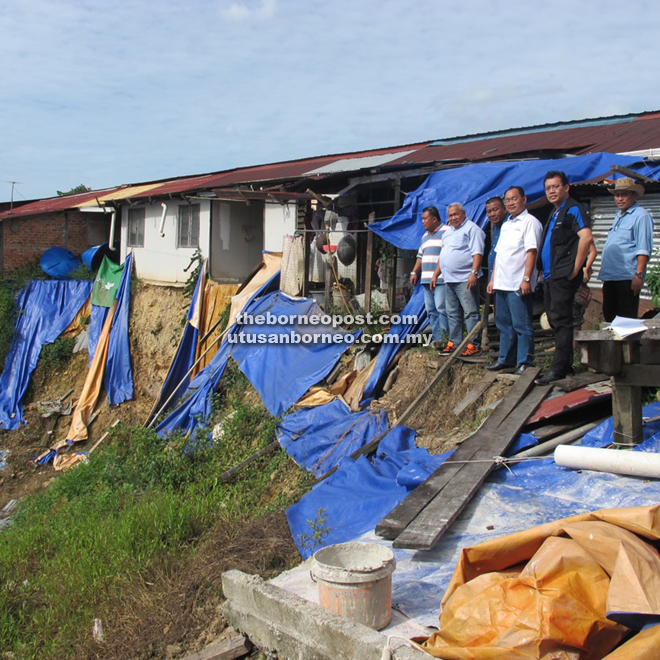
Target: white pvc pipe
{"type": "Point", "coordinates": [161, 229]}
{"type": "Point", "coordinates": [617, 461]}
{"type": "Point", "coordinates": [111, 240]}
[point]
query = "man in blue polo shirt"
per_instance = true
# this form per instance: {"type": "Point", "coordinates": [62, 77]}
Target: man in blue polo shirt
{"type": "Point", "coordinates": [627, 250]}
{"type": "Point", "coordinates": [564, 247]}
{"type": "Point", "coordinates": [427, 260]}
{"type": "Point", "coordinates": [460, 266]}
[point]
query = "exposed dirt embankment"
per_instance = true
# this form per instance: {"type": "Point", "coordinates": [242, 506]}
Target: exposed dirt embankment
{"type": "Point", "coordinates": [438, 429]}
{"type": "Point", "coordinates": [155, 327]}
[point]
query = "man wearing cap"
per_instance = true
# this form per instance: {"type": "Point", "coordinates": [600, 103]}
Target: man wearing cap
{"type": "Point", "coordinates": [460, 266]}
{"type": "Point", "coordinates": [627, 250]}
{"type": "Point", "coordinates": [513, 280]}
{"type": "Point", "coordinates": [427, 260]}
{"type": "Point", "coordinates": [561, 259]}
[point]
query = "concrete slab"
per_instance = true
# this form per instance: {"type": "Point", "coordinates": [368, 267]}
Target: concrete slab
{"type": "Point", "coordinates": [297, 629]}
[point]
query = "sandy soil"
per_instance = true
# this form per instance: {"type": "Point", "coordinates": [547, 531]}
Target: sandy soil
{"type": "Point", "coordinates": [156, 316]}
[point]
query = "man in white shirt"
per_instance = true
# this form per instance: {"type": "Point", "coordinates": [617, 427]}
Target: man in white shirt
{"type": "Point", "coordinates": [513, 280]}
{"type": "Point", "coordinates": [460, 267]}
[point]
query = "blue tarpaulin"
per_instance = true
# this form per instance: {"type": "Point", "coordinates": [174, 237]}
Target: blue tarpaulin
{"type": "Point", "coordinates": [177, 379]}
{"type": "Point", "coordinates": [96, 323]}
{"type": "Point", "coordinates": [118, 376]}
{"type": "Point", "coordinates": [282, 372]}
{"type": "Point", "coordinates": [472, 185]}
{"type": "Point", "coordinates": [362, 492]}
{"type": "Point", "coordinates": [318, 438]}
{"type": "Point", "coordinates": [196, 406]}
{"type": "Point", "coordinates": [45, 308]}
{"type": "Point", "coordinates": [415, 307]}
{"type": "Point", "coordinates": [521, 496]}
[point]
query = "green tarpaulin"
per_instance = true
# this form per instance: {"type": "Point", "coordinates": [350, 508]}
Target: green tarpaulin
{"type": "Point", "coordinates": [106, 283]}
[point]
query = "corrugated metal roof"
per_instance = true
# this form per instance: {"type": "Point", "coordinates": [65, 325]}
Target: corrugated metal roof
{"type": "Point", "coordinates": [274, 171]}
{"type": "Point", "coordinates": [54, 204]}
{"type": "Point", "coordinates": [359, 163]}
{"type": "Point", "coordinates": [619, 134]}
{"type": "Point", "coordinates": [623, 133]}
{"type": "Point", "coordinates": [125, 192]}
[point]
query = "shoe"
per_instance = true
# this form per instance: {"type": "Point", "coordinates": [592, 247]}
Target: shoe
{"type": "Point", "coordinates": [548, 378]}
{"type": "Point", "coordinates": [498, 366]}
{"type": "Point", "coordinates": [520, 370]}
{"type": "Point", "coordinates": [471, 351]}
{"type": "Point", "coordinates": [448, 349]}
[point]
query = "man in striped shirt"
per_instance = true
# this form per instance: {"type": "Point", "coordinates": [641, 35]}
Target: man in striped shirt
{"type": "Point", "coordinates": [427, 260]}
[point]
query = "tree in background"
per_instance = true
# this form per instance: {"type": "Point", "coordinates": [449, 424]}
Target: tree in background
{"type": "Point", "coordinates": [74, 191]}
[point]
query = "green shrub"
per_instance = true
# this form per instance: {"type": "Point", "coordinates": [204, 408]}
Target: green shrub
{"type": "Point", "coordinates": [6, 322]}
{"type": "Point", "coordinates": [56, 356]}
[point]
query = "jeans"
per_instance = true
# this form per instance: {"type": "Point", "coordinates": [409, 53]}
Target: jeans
{"type": "Point", "coordinates": [462, 303]}
{"type": "Point", "coordinates": [559, 295]}
{"type": "Point", "coordinates": [513, 317]}
{"type": "Point", "coordinates": [434, 302]}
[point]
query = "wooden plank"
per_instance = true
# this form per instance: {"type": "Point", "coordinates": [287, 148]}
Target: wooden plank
{"type": "Point", "coordinates": [642, 375]}
{"type": "Point", "coordinates": [627, 413]}
{"type": "Point", "coordinates": [268, 449]}
{"type": "Point", "coordinates": [103, 437]}
{"type": "Point", "coordinates": [368, 275]}
{"type": "Point", "coordinates": [406, 511]}
{"type": "Point", "coordinates": [427, 528]}
{"type": "Point", "coordinates": [571, 383]}
{"type": "Point", "coordinates": [472, 396]}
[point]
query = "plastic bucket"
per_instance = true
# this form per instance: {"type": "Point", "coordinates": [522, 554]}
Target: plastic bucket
{"type": "Point", "coordinates": [355, 581]}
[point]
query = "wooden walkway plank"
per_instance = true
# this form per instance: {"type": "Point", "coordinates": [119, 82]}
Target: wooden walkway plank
{"type": "Point", "coordinates": [406, 511]}
{"type": "Point", "coordinates": [472, 396]}
{"type": "Point", "coordinates": [427, 528]}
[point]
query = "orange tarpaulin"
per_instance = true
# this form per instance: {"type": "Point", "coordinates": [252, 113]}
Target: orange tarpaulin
{"type": "Point", "coordinates": [546, 592]}
{"type": "Point", "coordinates": [93, 383]}
{"type": "Point", "coordinates": [216, 299]}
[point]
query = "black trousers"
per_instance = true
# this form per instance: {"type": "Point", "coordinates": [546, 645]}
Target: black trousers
{"type": "Point", "coordinates": [619, 300]}
{"type": "Point", "coordinates": [559, 295]}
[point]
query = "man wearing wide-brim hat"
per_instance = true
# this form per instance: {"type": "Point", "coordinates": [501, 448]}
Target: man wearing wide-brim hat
{"type": "Point", "coordinates": [626, 253]}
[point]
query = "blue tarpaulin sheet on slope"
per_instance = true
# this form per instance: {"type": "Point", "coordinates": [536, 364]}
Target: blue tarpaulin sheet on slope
{"type": "Point", "coordinates": [118, 376]}
{"type": "Point", "coordinates": [361, 492]}
{"type": "Point", "coordinates": [176, 381]}
{"type": "Point", "coordinates": [472, 185]}
{"type": "Point", "coordinates": [196, 406]}
{"type": "Point", "coordinates": [522, 496]}
{"type": "Point", "coordinates": [96, 323]}
{"type": "Point", "coordinates": [282, 372]}
{"type": "Point", "coordinates": [45, 308]}
{"type": "Point", "coordinates": [318, 438]}
{"type": "Point", "coordinates": [414, 307]}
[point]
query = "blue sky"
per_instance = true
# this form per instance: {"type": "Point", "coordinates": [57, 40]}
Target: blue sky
{"type": "Point", "coordinates": [106, 93]}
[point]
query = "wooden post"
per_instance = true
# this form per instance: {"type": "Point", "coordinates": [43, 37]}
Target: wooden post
{"type": "Point", "coordinates": [392, 282]}
{"type": "Point", "coordinates": [307, 254]}
{"type": "Point", "coordinates": [328, 283]}
{"type": "Point", "coordinates": [627, 403]}
{"type": "Point", "coordinates": [368, 275]}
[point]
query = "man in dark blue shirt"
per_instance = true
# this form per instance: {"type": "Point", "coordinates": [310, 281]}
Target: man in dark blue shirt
{"type": "Point", "coordinates": [496, 215]}
{"type": "Point", "coordinates": [564, 247]}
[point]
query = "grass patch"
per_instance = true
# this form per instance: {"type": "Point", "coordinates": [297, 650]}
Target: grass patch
{"type": "Point", "coordinates": [139, 504]}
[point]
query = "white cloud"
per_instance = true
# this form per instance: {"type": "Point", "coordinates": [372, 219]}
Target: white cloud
{"type": "Point", "coordinates": [244, 11]}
